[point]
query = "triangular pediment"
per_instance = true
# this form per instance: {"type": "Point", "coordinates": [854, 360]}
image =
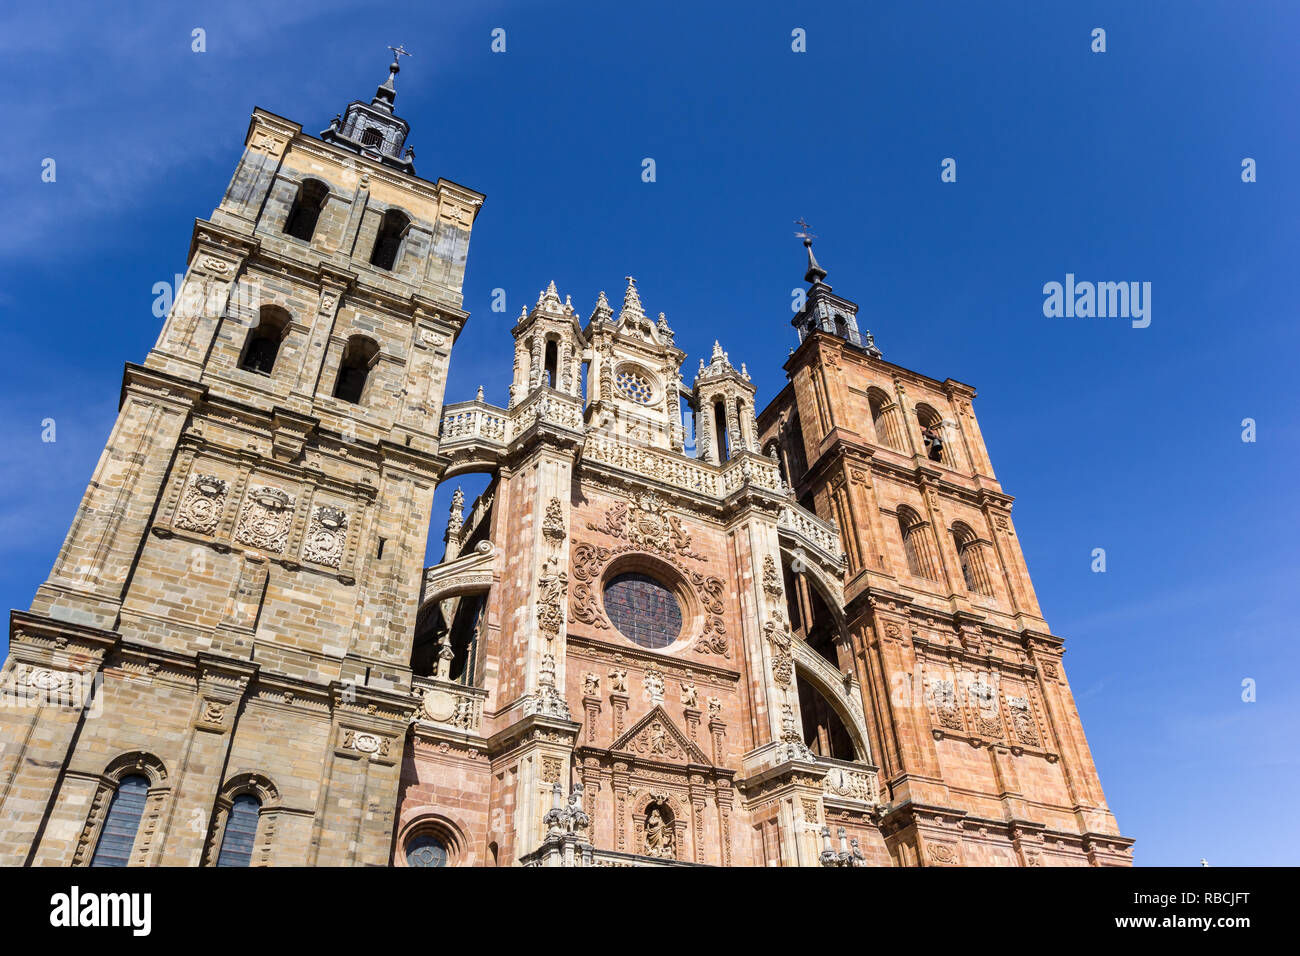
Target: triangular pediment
{"type": "Point", "coordinates": [656, 737]}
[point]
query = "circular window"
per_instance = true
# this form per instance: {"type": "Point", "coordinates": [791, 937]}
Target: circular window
{"type": "Point", "coordinates": [425, 850]}
{"type": "Point", "coordinates": [634, 385]}
{"type": "Point", "coordinates": [643, 610]}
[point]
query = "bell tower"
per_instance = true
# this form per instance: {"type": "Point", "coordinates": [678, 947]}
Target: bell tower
{"type": "Point", "coordinates": [970, 713]}
{"type": "Point", "coordinates": [235, 591]}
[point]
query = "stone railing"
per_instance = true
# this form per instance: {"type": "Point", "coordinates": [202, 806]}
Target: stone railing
{"type": "Point", "coordinates": [813, 531]}
{"type": "Point", "coordinates": [845, 780]}
{"type": "Point", "coordinates": [754, 469]}
{"type": "Point", "coordinates": [546, 405]}
{"type": "Point", "coordinates": [449, 704]}
{"type": "Point", "coordinates": [470, 422]}
{"type": "Point", "coordinates": [657, 464]}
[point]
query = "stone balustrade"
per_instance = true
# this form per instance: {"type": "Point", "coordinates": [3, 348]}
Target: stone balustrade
{"type": "Point", "coordinates": [449, 704]}
{"type": "Point", "coordinates": [812, 531]}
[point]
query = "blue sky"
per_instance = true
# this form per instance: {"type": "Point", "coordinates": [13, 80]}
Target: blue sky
{"type": "Point", "coordinates": [1122, 166]}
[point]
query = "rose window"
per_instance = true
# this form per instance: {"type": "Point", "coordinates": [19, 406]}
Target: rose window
{"type": "Point", "coordinates": [634, 385]}
{"type": "Point", "coordinates": [643, 610]}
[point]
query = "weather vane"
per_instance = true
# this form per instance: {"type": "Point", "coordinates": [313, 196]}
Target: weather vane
{"type": "Point", "coordinates": [803, 232]}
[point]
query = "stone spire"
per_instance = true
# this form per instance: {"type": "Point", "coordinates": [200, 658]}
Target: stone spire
{"type": "Point", "coordinates": [815, 273]}
{"type": "Point", "coordinates": [632, 309]}
{"type": "Point", "coordinates": [602, 311]}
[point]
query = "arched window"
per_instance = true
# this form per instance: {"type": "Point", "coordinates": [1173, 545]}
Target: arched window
{"type": "Point", "coordinates": [461, 636]}
{"type": "Point", "coordinates": [932, 434]}
{"type": "Point", "coordinates": [823, 730]}
{"type": "Point", "coordinates": [388, 241]}
{"type": "Point", "coordinates": [742, 425]}
{"type": "Point", "coordinates": [643, 610]}
{"type": "Point", "coordinates": [552, 362]}
{"type": "Point", "coordinates": [883, 412]}
{"type": "Point", "coordinates": [722, 436]}
{"type": "Point", "coordinates": [916, 544]}
{"type": "Point", "coordinates": [425, 849]}
{"type": "Point", "coordinates": [359, 356]}
{"type": "Point", "coordinates": [263, 343]}
{"type": "Point", "coordinates": [306, 209]}
{"type": "Point", "coordinates": [970, 552]}
{"type": "Point", "coordinates": [243, 822]}
{"type": "Point", "coordinates": [241, 831]}
{"type": "Point", "coordinates": [117, 837]}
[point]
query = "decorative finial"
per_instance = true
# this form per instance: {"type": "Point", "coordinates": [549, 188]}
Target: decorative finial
{"type": "Point", "coordinates": [632, 309]}
{"type": "Point", "coordinates": [394, 68]}
{"type": "Point", "coordinates": [815, 272]}
{"type": "Point", "coordinates": [479, 396]}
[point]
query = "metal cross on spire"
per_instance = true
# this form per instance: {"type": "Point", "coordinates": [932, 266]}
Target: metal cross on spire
{"type": "Point", "coordinates": [815, 272]}
{"type": "Point", "coordinates": [398, 50]}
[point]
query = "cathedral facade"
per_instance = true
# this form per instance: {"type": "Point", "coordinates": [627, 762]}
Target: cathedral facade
{"type": "Point", "coordinates": [674, 629]}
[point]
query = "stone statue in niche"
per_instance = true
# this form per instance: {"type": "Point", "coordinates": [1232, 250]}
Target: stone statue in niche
{"type": "Point", "coordinates": [660, 840]}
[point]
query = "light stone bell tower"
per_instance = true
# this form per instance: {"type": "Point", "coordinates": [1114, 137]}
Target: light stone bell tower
{"type": "Point", "coordinates": [236, 586]}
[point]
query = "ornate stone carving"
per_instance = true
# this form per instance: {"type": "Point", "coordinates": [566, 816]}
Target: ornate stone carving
{"type": "Point", "coordinates": [655, 741]}
{"type": "Point", "coordinates": [551, 770]}
{"type": "Point", "coordinates": [326, 535]}
{"type": "Point", "coordinates": [553, 522]}
{"type": "Point", "coordinates": [945, 704]}
{"type": "Point", "coordinates": [552, 588]}
{"type": "Point", "coordinates": [1022, 721]}
{"type": "Point", "coordinates": [942, 854]}
{"type": "Point", "coordinates": [205, 499]}
{"type": "Point", "coordinates": [648, 525]}
{"type": "Point", "coordinates": [654, 686]}
{"type": "Point", "coordinates": [852, 784]}
{"type": "Point", "coordinates": [792, 742]}
{"type": "Point", "coordinates": [985, 701]}
{"type": "Point", "coordinates": [715, 708]}
{"type": "Point", "coordinates": [562, 818]}
{"type": "Point", "coordinates": [660, 838]}
{"type": "Point", "coordinates": [771, 577]}
{"type": "Point", "coordinates": [714, 638]}
{"type": "Point", "coordinates": [690, 697]}
{"type": "Point", "coordinates": [588, 560]}
{"type": "Point", "coordinates": [777, 632]}
{"type": "Point", "coordinates": [265, 519]}
{"type": "Point", "coordinates": [618, 681]}
{"type": "Point", "coordinates": [371, 745]}
{"type": "Point", "coordinates": [590, 685]}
